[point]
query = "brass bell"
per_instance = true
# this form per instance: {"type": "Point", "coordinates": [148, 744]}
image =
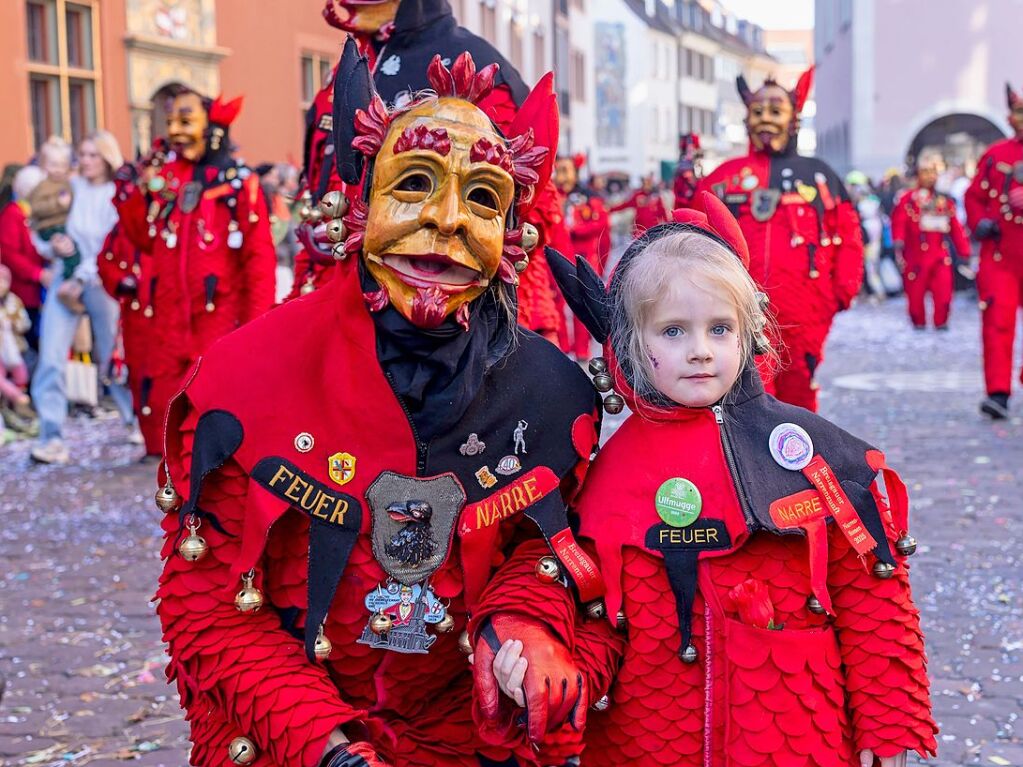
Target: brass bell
{"type": "Point", "coordinates": [547, 570]}
{"type": "Point", "coordinates": [305, 213]}
{"type": "Point", "coordinates": [530, 237]}
{"type": "Point", "coordinates": [813, 604]}
{"type": "Point", "coordinates": [521, 264]}
{"type": "Point", "coordinates": [614, 404]}
{"type": "Point", "coordinates": [906, 545]}
{"type": "Point", "coordinates": [249, 599]}
{"type": "Point", "coordinates": [602, 382]}
{"type": "Point", "coordinates": [242, 751]}
{"type": "Point", "coordinates": [596, 609]}
{"type": "Point", "coordinates": [690, 655]}
{"type": "Point", "coordinates": [883, 570]}
{"type": "Point", "coordinates": [167, 498]}
{"type": "Point", "coordinates": [445, 625]}
{"type": "Point", "coordinates": [621, 622]}
{"type": "Point", "coordinates": [603, 704]}
{"type": "Point", "coordinates": [322, 646]}
{"type": "Point", "coordinates": [464, 643]}
{"type": "Point", "coordinates": [146, 410]}
{"type": "Point", "coordinates": [193, 547]}
{"type": "Point", "coordinates": [380, 624]}
{"type": "Point", "coordinates": [334, 204]}
{"type": "Point", "coordinates": [814, 274]}
{"type": "Point", "coordinates": [598, 365]}
{"type": "Point", "coordinates": [336, 230]}
{"type": "Point", "coordinates": [339, 252]}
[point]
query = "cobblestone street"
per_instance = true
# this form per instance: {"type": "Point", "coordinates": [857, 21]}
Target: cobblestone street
{"type": "Point", "coordinates": [80, 646]}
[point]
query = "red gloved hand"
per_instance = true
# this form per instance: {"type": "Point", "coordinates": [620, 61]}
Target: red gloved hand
{"type": "Point", "coordinates": [316, 243]}
{"type": "Point", "coordinates": [555, 690]}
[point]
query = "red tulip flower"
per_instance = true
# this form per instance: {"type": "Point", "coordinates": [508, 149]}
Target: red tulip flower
{"type": "Point", "coordinates": [753, 603]}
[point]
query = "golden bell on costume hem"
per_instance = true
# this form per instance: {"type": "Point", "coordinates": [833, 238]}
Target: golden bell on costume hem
{"type": "Point", "coordinates": [883, 570]}
{"type": "Point", "coordinates": [464, 643]}
{"type": "Point", "coordinates": [242, 751]}
{"type": "Point", "coordinates": [334, 204]}
{"type": "Point", "coordinates": [621, 622]}
{"type": "Point", "coordinates": [906, 545]}
{"type": "Point", "coordinates": [598, 365]}
{"type": "Point", "coordinates": [446, 624]}
{"type": "Point", "coordinates": [336, 231]}
{"type": "Point", "coordinates": [813, 604]}
{"type": "Point", "coordinates": [530, 237]}
{"type": "Point", "coordinates": [249, 599]}
{"type": "Point", "coordinates": [380, 624]}
{"type": "Point", "coordinates": [602, 382]}
{"type": "Point", "coordinates": [322, 646]}
{"type": "Point", "coordinates": [193, 547]}
{"type": "Point", "coordinates": [690, 655]}
{"type": "Point", "coordinates": [167, 498]}
{"type": "Point", "coordinates": [547, 570]}
{"type": "Point", "coordinates": [602, 704]}
{"type": "Point", "coordinates": [596, 609]}
{"type": "Point", "coordinates": [521, 264]}
{"type": "Point", "coordinates": [614, 404]}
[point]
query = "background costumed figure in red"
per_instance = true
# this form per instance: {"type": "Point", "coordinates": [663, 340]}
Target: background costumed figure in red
{"type": "Point", "coordinates": [400, 37]}
{"type": "Point", "coordinates": [994, 213]}
{"type": "Point", "coordinates": [806, 248]}
{"type": "Point", "coordinates": [201, 217]}
{"type": "Point", "coordinates": [648, 206]}
{"type": "Point", "coordinates": [766, 621]}
{"type": "Point", "coordinates": [931, 241]}
{"type": "Point", "coordinates": [415, 444]}
{"type": "Point", "coordinates": [687, 172]}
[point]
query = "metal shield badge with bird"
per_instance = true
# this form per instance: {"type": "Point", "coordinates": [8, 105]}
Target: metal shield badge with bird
{"type": "Point", "coordinates": [413, 522]}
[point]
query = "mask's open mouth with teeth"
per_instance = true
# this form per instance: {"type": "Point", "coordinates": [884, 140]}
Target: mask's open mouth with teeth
{"type": "Point", "coordinates": [429, 270]}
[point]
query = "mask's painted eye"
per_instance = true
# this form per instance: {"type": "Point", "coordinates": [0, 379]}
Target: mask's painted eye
{"type": "Point", "coordinates": [483, 197]}
{"type": "Point", "coordinates": [415, 182]}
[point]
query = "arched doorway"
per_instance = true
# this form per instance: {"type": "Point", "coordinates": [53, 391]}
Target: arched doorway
{"type": "Point", "coordinates": [960, 138]}
{"type": "Point", "coordinates": [150, 121]}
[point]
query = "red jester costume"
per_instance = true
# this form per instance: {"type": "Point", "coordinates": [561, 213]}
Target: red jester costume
{"type": "Point", "coordinates": [927, 231]}
{"type": "Point", "coordinates": [687, 173]}
{"type": "Point", "coordinates": [754, 560]}
{"type": "Point", "coordinates": [400, 37]}
{"type": "Point", "coordinates": [648, 206]}
{"type": "Point", "coordinates": [322, 565]}
{"type": "Point", "coordinates": [994, 213]}
{"type": "Point", "coordinates": [806, 249]}
{"type": "Point", "coordinates": [202, 220]}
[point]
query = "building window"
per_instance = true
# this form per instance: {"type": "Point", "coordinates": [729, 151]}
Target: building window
{"type": "Point", "coordinates": [539, 55]}
{"type": "Point", "coordinates": [516, 47]}
{"type": "Point", "coordinates": [316, 69]}
{"type": "Point", "coordinates": [488, 20]}
{"type": "Point", "coordinates": [578, 75]}
{"type": "Point", "coordinates": [457, 10]}
{"type": "Point", "coordinates": [63, 68]}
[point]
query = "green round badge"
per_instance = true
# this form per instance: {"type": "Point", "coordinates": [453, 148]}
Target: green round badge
{"type": "Point", "coordinates": [678, 502]}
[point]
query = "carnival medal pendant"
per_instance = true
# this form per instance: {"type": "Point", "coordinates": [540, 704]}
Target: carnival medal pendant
{"type": "Point", "coordinates": [399, 615]}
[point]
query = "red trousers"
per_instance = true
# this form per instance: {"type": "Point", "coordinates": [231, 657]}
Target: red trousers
{"type": "Point", "coordinates": [801, 352]}
{"type": "Point", "coordinates": [934, 276]}
{"type": "Point", "coordinates": [1000, 287]}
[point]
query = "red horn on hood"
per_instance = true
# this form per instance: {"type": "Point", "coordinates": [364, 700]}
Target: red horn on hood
{"type": "Point", "coordinates": [539, 114]}
{"type": "Point", "coordinates": [716, 219]}
{"type": "Point", "coordinates": [802, 89]}
{"type": "Point", "coordinates": [1011, 97]}
{"type": "Point", "coordinates": [225, 112]}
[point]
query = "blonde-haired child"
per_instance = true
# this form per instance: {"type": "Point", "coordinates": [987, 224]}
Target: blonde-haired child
{"type": "Point", "coordinates": [50, 201]}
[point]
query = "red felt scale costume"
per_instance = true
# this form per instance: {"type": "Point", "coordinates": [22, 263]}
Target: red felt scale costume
{"type": "Point", "coordinates": [924, 222]}
{"type": "Point", "coordinates": [399, 54]}
{"type": "Point", "coordinates": [316, 513]}
{"type": "Point", "coordinates": [205, 226]}
{"type": "Point", "coordinates": [126, 274]}
{"type": "Point", "coordinates": [806, 249]}
{"type": "Point", "coordinates": [766, 630]}
{"type": "Point", "coordinates": [994, 212]}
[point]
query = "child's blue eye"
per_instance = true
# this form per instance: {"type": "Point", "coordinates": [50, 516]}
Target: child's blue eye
{"type": "Point", "coordinates": [720, 330]}
{"type": "Point", "coordinates": [674, 331]}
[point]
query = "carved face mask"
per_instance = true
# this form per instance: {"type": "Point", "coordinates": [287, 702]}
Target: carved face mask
{"type": "Point", "coordinates": [771, 120]}
{"type": "Point", "coordinates": [438, 206]}
{"type": "Point", "coordinates": [187, 123]}
{"type": "Point", "coordinates": [365, 17]}
{"type": "Point", "coordinates": [927, 175]}
{"type": "Point", "coordinates": [1016, 118]}
{"type": "Point", "coordinates": [565, 174]}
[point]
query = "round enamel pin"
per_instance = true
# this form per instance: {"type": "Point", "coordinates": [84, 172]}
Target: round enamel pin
{"type": "Point", "coordinates": [791, 447]}
{"type": "Point", "coordinates": [678, 502]}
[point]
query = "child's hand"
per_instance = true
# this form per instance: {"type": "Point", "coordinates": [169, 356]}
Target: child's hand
{"type": "Point", "coordinates": [510, 670]}
{"type": "Point", "coordinates": [867, 759]}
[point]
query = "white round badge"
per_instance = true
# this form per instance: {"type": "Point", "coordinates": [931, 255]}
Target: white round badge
{"type": "Point", "coordinates": [791, 447]}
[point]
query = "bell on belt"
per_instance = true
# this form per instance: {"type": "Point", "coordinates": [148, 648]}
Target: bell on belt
{"type": "Point", "coordinates": [603, 704]}
{"type": "Point", "coordinates": [547, 570]}
{"type": "Point", "coordinates": [813, 604]}
{"type": "Point", "coordinates": [380, 624]}
{"type": "Point", "coordinates": [596, 609]}
{"type": "Point", "coordinates": [614, 404]}
{"type": "Point", "coordinates": [167, 498]}
{"type": "Point", "coordinates": [249, 599]}
{"type": "Point", "coordinates": [598, 365]}
{"type": "Point", "coordinates": [193, 547]}
{"type": "Point", "coordinates": [445, 625]}
{"type": "Point", "coordinates": [883, 570]}
{"type": "Point", "coordinates": [464, 643]}
{"type": "Point", "coordinates": [906, 545]}
{"type": "Point", "coordinates": [339, 252]}
{"type": "Point", "coordinates": [334, 204]}
{"type": "Point", "coordinates": [602, 382]}
{"type": "Point", "coordinates": [336, 230]}
{"type": "Point", "coordinates": [242, 751]}
{"type": "Point", "coordinates": [690, 655]}
{"type": "Point", "coordinates": [521, 264]}
{"type": "Point", "coordinates": [530, 237]}
{"type": "Point", "coordinates": [322, 646]}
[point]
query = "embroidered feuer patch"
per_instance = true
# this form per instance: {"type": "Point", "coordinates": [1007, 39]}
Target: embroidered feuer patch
{"type": "Point", "coordinates": [413, 522]}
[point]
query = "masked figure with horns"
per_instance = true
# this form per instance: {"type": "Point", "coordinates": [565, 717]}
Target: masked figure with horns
{"type": "Point", "coordinates": [994, 212]}
{"type": "Point", "coordinates": [393, 471]}
{"type": "Point", "coordinates": [400, 37]}
{"type": "Point", "coordinates": [806, 249]}
{"type": "Point", "coordinates": [201, 218]}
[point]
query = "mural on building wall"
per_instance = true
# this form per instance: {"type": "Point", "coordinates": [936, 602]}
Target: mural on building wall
{"type": "Point", "coordinates": [610, 83]}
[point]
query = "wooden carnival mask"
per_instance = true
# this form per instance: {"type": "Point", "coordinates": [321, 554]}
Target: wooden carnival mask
{"type": "Point", "coordinates": [187, 126]}
{"type": "Point", "coordinates": [772, 113]}
{"type": "Point", "coordinates": [366, 17]}
{"type": "Point", "coordinates": [1015, 103]}
{"type": "Point", "coordinates": [442, 186]}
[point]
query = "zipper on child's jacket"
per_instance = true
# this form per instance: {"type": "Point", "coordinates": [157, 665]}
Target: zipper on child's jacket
{"type": "Point", "coordinates": [733, 469]}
